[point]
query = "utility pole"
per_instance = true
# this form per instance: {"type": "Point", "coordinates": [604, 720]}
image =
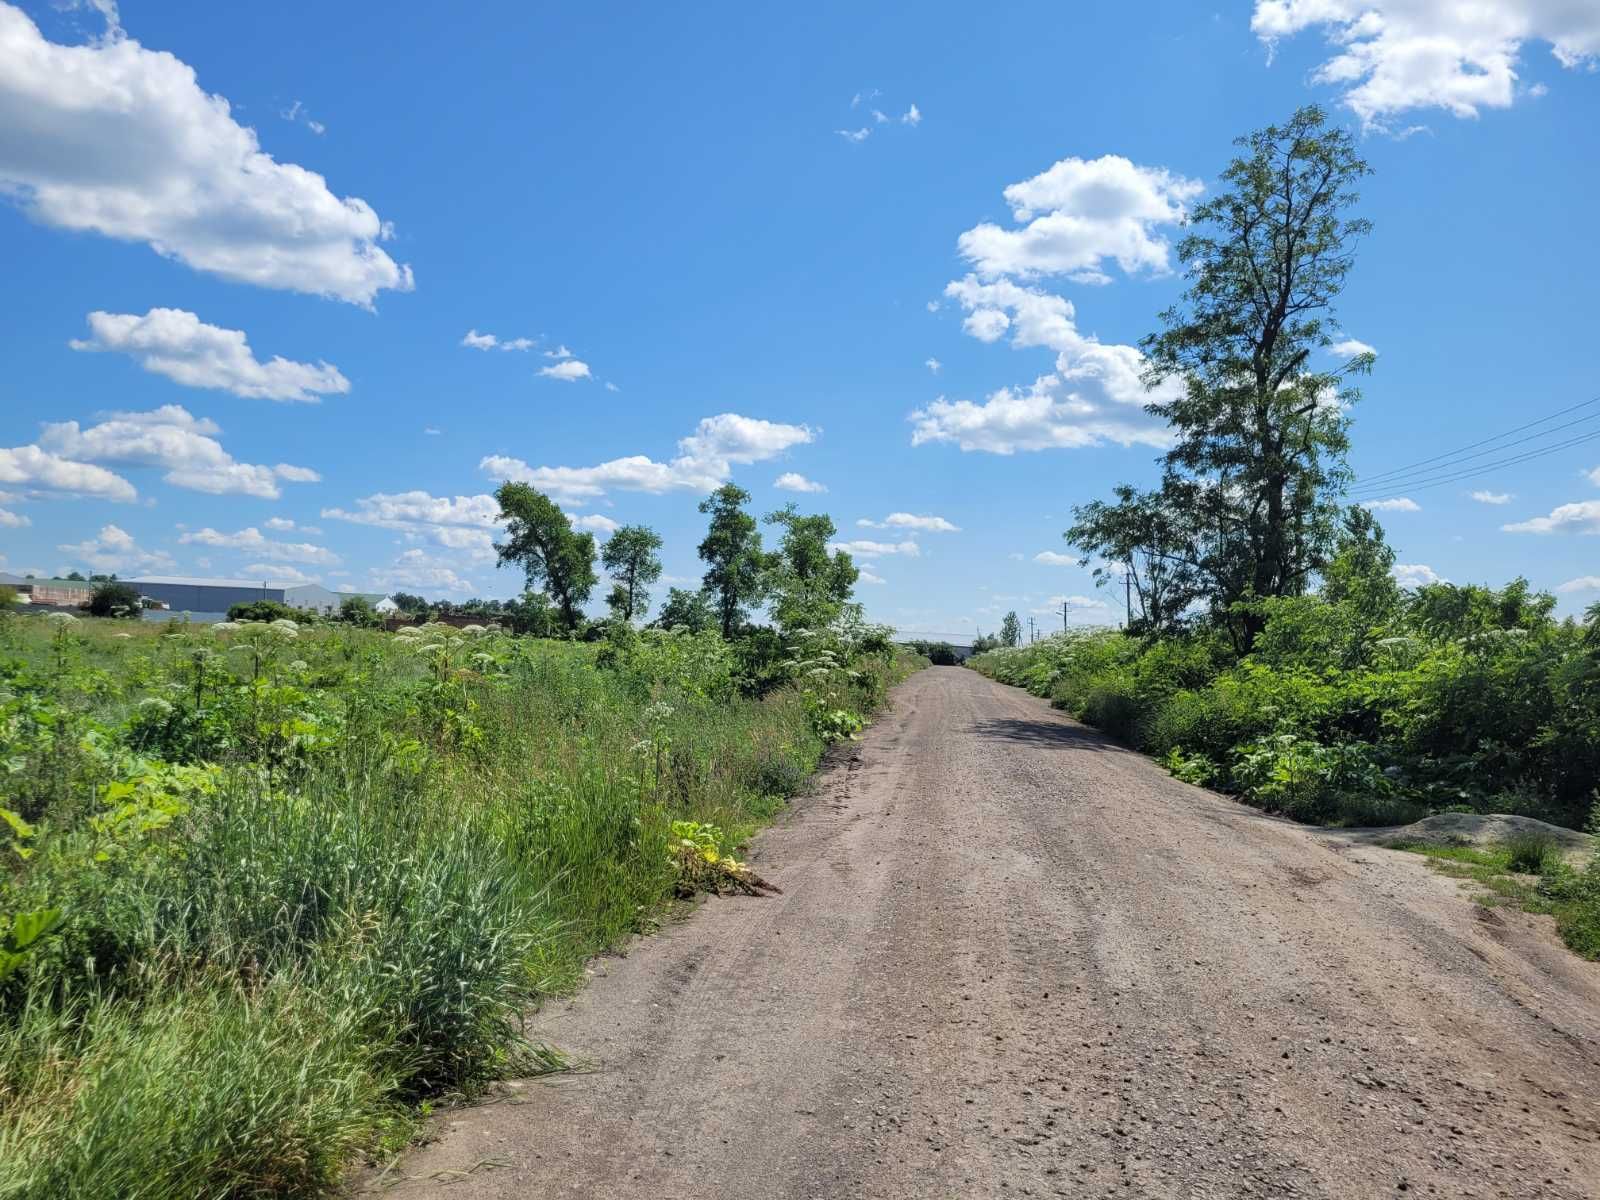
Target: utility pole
{"type": "Point", "coordinates": [1127, 593]}
{"type": "Point", "coordinates": [1063, 616]}
{"type": "Point", "coordinates": [1031, 637]}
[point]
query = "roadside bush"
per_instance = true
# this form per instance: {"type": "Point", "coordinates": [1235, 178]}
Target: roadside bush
{"type": "Point", "coordinates": [1358, 705]}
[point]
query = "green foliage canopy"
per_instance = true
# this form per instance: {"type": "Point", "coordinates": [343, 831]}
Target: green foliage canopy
{"type": "Point", "coordinates": [736, 568]}
{"type": "Point", "coordinates": [553, 556]}
{"type": "Point", "coordinates": [632, 557]}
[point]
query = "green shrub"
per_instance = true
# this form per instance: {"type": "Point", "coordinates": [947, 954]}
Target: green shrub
{"type": "Point", "coordinates": [1532, 853]}
{"type": "Point", "coordinates": [116, 600]}
{"type": "Point", "coordinates": [264, 610]}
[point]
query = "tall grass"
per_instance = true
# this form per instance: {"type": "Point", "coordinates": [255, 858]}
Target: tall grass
{"type": "Point", "coordinates": [307, 878]}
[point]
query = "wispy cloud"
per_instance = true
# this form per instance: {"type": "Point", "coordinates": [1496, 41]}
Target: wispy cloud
{"type": "Point", "coordinates": [488, 341]}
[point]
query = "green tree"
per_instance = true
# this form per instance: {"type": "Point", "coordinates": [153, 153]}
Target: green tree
{"type": "Point", "coordinates": [689, 609]}
{"type": "Point", "coordinates": [1148, 541]}
{"type": "Point", "coordinates": [1011, 630]}
{"type": "Point", "coordinates": [530, 614]}
{"type": "Point", "coordinates": [630, 555]}
{"type": "Point", "coordinates": [1261, 432]}
{"type": "Point", "coordinates": [409, 604]}
{"type": "Point", "coordinates": [75, 576]}
{"type": "Point", "coordinates": [115, 600]}
{"type": "Point", "coordinates": [553, 556]}
{"type": "Point", "coordinates": [809, 585]}
{"type": "Point", "coordinates": [358, 610]}
{"type": "Point", "coordinates": [736, 568]}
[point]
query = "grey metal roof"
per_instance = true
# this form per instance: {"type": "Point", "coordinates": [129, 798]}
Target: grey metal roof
{"type": "Point", "coordinates": [185, 581]}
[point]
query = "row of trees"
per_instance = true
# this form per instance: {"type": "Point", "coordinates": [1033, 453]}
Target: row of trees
{"type": "Point", "coordinates": [1248, 507]}
{"type": "Point", "coordinates": [804, 583]}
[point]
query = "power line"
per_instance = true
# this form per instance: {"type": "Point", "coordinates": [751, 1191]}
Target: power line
{"type": "Point", "coordinates": [1410, 468]}
{"type": "Point", "coordinates": [1399, 479]}
{"type": "Point", "coordinates": [1426, 482]}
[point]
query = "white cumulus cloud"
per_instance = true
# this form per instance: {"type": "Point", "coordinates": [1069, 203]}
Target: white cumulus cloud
{"type": "Point", "coordinates": [595, 523]}
{"type": "Point", "coordinates": [42, 472]}
{"type": "Point", "coordinates": [399, 510]}
{"type": "Point", "coordinates": [1582, 517]}
{"type": "Point", "coordinates": [1493, 497]}
{"type": "Point", "coordinates": [905, 520]}
{"type": "Point", "coordinates": [254, 542]}
{"type": "Point", "coordinates": [114, 550]}
{"type": "Point", "coordinates": [1584, 583]}
{"type": "Point", "coordinates": [177, 344]}
{"type": "Point", "coordinates": [1080, 215]}
{"type": "Point", "coordinates": [704, 462]}
{"type": "Point", "coordinates": [793, 481]}
{"type": "Point", "coordinates": [113, 138]}
{"type": "Point", "coordinates": [869, 549]}
{"type": "Point", "coordinates": [1051, 558]}
{"type": "Point", "coordinates": [277, 573]}
{"type": "Point", "coordinates": [416, 568]}
{"type": "Point", "coordinates": [568, 370]}
{"type": "Point", "coordinates": [1391, 56]}
{"type": "Point", "coordinates": [1393, 504]}
{"type": "Point", "coordinates": [1094, 396]}
{"type": "Point", "coordinates": [171, 438]}
{"type": "Point", "coordinates": [1413, 575]}
{"type": "Point", "coordinates": [1351, 348]}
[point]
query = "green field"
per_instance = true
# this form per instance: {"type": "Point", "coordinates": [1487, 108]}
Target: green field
{"type": "Point", "coordinates": [270, 890]}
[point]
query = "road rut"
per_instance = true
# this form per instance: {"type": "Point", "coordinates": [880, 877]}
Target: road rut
{"type": "Point", "coordinates": [1012, 958]}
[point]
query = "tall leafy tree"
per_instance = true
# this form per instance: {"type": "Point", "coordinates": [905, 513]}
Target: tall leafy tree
{"type": "Point", "coordinates": [1261, 429]}
{"type": "Point", "coordinates": [809, 585]}
{"type": "Point", "coordinates": [736, 568]}
{"type": "Point", "coordinates": [553, 556]}
{"type": "Point", "coordinates": [631, 557]}
{"type": "Point", "coordinates": [1010, 630]}
{"type": "Point", "coordinates": [1146, 540]}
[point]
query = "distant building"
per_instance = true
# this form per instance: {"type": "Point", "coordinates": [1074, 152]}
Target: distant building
{"type": "Point", "coordinates": [202, 596]}
{"type": "Point", "coordinates": [65, 592]}
{"type": "Point", "coordinates": [386, 606]}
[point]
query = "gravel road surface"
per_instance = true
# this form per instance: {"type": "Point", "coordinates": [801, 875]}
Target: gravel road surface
{"type": "Point", "coordinates": [1013, 959]}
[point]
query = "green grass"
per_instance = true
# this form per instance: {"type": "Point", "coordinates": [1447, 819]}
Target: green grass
{"type": "Point", "coordinates": [1529, 873]}
{"type": "Point", "coordinates": [309, 880]}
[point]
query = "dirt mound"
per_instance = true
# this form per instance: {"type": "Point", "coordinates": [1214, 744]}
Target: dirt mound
{"type": "Point", "coordinates": [1477, 829]}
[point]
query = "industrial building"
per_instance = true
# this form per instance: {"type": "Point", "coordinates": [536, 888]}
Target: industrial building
{"type": "Point", "coordinates": [213, 596]}
{"type": "Point", "coordinates": [61, 592]}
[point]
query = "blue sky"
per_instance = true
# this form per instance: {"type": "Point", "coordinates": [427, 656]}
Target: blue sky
{"type": "Point", "coordinates": [255, 257]}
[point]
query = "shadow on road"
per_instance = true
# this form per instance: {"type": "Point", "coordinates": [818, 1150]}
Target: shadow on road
{"type": "Point", "coordinates": [1044, 733]}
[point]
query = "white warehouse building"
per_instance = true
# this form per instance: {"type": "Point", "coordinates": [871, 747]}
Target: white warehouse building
{"type": "Point", "coordinates": [211, 596]}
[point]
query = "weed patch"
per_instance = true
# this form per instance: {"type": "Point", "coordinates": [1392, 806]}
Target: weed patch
{"type": "Point", "coordinates": [266, 888]}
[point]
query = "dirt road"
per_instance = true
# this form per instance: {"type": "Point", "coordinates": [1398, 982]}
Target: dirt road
{"type": "Point", "coordinates": [1013, 959]}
